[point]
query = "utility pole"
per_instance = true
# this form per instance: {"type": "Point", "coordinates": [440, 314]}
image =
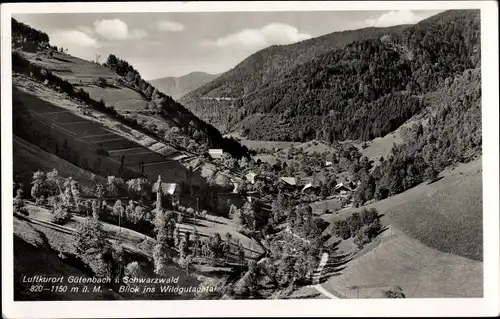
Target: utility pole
{"type": "Point", "coordinates": [197, 207]}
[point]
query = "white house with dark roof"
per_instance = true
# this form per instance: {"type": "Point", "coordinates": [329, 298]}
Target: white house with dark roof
{"type": "Point", "coordinates": [250, 176]}
{"type": "Point", "coordinates": [341, 187]}
{"type": "Point", "coordinates": [216, 153]}
{"type": "Point", "coordinates": [170, 190]}
{"type": "Point", "coordinates": [292, 181]}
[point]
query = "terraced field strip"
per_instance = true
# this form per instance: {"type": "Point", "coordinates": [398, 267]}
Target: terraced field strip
{"type": "Point", "coordinates": [63, 117]}
{"type": "Point", "coordinates": [57, 112]}
{"type": "Point", "coordinates": [55, 126]}
{"type": "Point", "coordinates": [118, 143]}
{"type": "Point", "coordinates": [99, 135]}
{"type": "Point", "coordinates": [127, 151]}
{"type": "Point", "coordinates": [72, 134]}
{"type": "Point", "coordinates": [111, 140]}
{"type": "Point", "coordinates": [51, 122]}
{"type": "Point", "coordinates": [74, 123]}
{"type": "Point", "coordinates": [95, 139]}
{"type": "Point", "coordinates": [156, 163]}
{"type": "Point", "coordinates": [145, 157]}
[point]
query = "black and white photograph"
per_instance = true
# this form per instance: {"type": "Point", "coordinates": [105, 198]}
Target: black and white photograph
{"type": "Point", "coordinates": [164, 154]}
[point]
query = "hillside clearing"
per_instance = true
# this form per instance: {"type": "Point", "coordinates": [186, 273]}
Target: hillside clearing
{"type": "Point", "coordinates": [445, 215]}
{"type": "Point", "coordinates": [83, 73]}
{"type": "Point", "coordinates": [433, 245]}
{"type": "Point", "coordinates": [421, 272]}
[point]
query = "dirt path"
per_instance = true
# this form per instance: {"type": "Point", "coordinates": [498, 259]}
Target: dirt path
{"type": "Point", "coordinates": [317, 276]}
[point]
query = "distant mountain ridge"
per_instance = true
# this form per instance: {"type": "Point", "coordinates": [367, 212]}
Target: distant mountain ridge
{"type": "Point", "coordinates": [179, 86]}
{"type": "Point", "coordinates": [357, 84]}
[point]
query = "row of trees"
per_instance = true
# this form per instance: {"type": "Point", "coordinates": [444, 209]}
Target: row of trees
{"type": "Point", "coordinates": [363, 227]}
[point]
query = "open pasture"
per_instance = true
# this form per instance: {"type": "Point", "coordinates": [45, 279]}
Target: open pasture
{"type": "Point", "coordinates": [120, 97]}
{"type": "Point", "coordinates": [73, 69]}
{"type": "Point", "coordinates": [445, 215]}
{"type": "Point", "coordinates": [83, 73]}
{"type": "Point", "coordinates": [421, 272]}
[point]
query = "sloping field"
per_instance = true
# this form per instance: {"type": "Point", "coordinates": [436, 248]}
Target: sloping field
{"type": "Point", "coordinates": [311, 147]}
{"type": "Point", "coordinates": [71, 66]}
{"type": "Point", "coordinates": [28, 158]}
{"type": "Point", "coordinates": [420, 271]}
{"type": "Point", "coordinates": [83, 73]}
{"type": "Point", "coordinates": [433, 247]}
{"type": "Point", "coordinates": [445, 215]}
{"type": "Point", "coordinates": [330, 204]}
{"type": "Point", "coordinates": [118, 96]}
{"type": "Point", "coordinates": [96, 131]}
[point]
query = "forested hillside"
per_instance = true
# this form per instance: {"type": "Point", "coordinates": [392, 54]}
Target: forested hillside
{"type": "Point", "coordinates": [451, 136]}
{"type": "Point", "coordinates": [365, 87]}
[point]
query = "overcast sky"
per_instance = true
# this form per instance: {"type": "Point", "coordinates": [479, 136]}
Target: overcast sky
{"type": "Point", "coordinates": [175, 44]}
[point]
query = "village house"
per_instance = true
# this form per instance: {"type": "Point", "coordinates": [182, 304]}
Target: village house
{"type": "Point", "coordinates": [289, 183]}
{"type": "Point", "coordinates": [215, 153]}
{"type": "Point", "coordinates": [251, 177]}
{"type": "Point", "coordinates": [168, 191]}
{"type": "Point", "coordinates": [311, 187]}
{"type": "Point", "coordinates": [341, 188]}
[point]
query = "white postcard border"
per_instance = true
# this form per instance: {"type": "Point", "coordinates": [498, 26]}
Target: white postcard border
{"type": "Point", "coordinates": [487, 306]}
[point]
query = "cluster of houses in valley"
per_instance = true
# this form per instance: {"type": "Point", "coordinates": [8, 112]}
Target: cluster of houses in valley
{"type": "Point", "coordinates": [231, 195]}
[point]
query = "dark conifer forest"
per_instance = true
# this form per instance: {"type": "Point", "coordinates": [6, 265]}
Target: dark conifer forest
{"type": "Point", "coordinates": [364, 87]}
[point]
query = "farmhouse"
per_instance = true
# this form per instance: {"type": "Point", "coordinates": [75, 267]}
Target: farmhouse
{"type": "Point", "coordinates": [215, 153]}
{"type": "Point", "coordinates": [166, 190]}
{"type": "Point", "coordinates": [251, 177]}
{"type": "Point", "coordinates": [328, 163]}
{"type": "Point", "coordinates": [289, 183]}
{"type": "Point", "coordinates": [311, 187]}
{"type": "Point", "coordinates": [292, 181]}
{"type": "Point", "coordinates": [341, 188]}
